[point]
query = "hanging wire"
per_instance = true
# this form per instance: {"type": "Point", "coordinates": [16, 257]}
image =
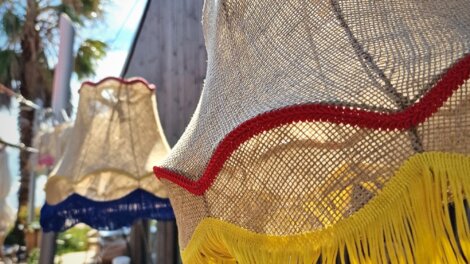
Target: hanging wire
{"type": "Point", "coordinates": [24, 101]}
{"type": "Point", "coordinates": [131, 11]}
{"type": "Point", "coordinates": [19, 97]}
{"type": "Point", "coordinates": [20, 146]}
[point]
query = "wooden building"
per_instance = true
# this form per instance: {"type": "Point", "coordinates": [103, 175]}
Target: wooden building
{"type": "Point", "coordinates": [168, 51]}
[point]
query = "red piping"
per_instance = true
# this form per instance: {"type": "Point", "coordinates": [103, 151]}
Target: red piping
{"type": "Point", "coordinates": [409, 117]}
{"type": "Point", "coordinates": [121, 80]}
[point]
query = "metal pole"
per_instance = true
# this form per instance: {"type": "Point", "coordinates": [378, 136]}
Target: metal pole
{"type": "Point", "coordinates": [167, 243]}
{"type": "Point", "coordinates": [60, 99]}
{"type": "Point", "coordinates": [63, 70]}
{"type": "Point", "coordinates": [139, 248]}
{"type": "Point", "coordinates": [48, 247]}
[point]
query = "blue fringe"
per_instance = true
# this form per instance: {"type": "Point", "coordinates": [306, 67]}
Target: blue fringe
{"type": "Point", "coordinates": [109, 215]}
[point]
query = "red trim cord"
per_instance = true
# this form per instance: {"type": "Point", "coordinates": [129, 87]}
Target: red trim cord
{"type": "Point", "coordinates": [121, 80]}
{"type": "Point", "coordinates": [409, 117]}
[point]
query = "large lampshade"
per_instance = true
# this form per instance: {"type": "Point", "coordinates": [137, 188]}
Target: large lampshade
{"type": "Point", "coordinates": [328, 131]}
{"type": "Point", "coordinates": [103, 178]}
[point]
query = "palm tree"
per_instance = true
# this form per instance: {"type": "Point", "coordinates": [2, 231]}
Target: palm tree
{"type": "Point", "coordinates": [28, 49]}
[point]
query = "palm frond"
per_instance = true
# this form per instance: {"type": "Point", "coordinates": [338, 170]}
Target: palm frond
{"type": "Point", "coordinates": [81, 10]}
{"type": "Point", "coordinates": [10, 68]}
{"type": "Point", "coordinates": [91, 8]}
{"type": "Point", "coordinates": [12, 26]}
{"type": "Point", "coordinates": [87, 55]}
{"type": "Point", "coordinates": [70, 11]}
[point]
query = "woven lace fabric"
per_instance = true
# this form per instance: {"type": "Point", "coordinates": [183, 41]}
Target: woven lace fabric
{"type": "Point", "coordinates": [115, 135]}
{"type": "Point", "coordinates": [50, 143]}
{"type": "Point", "coordinates": [309, 109]}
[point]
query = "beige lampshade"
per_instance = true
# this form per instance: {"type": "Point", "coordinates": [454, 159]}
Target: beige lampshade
{"type": "Point", "coordinates": [50, 143]}
{"type": "Point", "coordinates": [6, 213]}
{"type": "Point", "coordinates": [332, 130]}
{"type": "Point", "coordinates": [116, 132]}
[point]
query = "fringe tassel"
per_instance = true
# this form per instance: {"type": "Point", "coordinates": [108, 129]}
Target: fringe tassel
{"type": "Point", "coordinates": [420, 216]}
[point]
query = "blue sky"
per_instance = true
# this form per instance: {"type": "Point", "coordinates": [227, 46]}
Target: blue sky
{"type": "Point", "coordinates": [117, 29]}
{"type": "Point", "coordinates": [121, 20]}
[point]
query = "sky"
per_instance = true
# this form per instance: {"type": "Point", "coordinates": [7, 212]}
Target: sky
{"type": "Point", "coordinates": [121, 21]}
{"type": "Point", "coordinates": [117, 29]}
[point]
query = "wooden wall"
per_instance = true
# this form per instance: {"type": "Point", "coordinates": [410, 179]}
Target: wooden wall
{"type": "Point", "coordinates": [169, 51]}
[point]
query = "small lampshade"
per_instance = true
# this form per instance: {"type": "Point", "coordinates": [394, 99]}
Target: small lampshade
{"type": "Point", "coordinates": [328, 131]}
{"type": "Point", "coordinates": [102, 178]}
{"type": "Point", "coordinates": [50, 143]}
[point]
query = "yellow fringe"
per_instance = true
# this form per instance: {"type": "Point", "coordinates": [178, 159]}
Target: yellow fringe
{"type": "Point", "coordinates": [407, 222]}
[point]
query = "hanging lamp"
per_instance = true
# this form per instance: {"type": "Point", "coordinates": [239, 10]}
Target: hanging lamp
{"type": "Point", "coordinates": [103, 178]}
{"type": "Point", "coordinates": [50, 143]}
{"type": "Point", "coordinates": [327, 131]}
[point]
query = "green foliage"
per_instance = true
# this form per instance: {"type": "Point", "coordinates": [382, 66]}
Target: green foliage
{"type": "Point", "coordinates": [16, 235]}
{"type": "Point", "coordinates": [87, 55]}
{"type": "Point", "coordinates": [70, 11]}
{"type": "Point", "coordinates": [91, 8]}
{"type": "Point", "coordinates": [12, 25]}
{"type": "Point", "coordinates": [9, 71]}
{"type": "Point", "coordinates": [15, 26]}
{"type": "Point", "coordinates": [33, 257]}
{"type": "Point", "coordinates": [73, 240]}
{"type": "Point", "coordinates": [80, 10]}
{"type": "Point", "coordinates": [9, 66]}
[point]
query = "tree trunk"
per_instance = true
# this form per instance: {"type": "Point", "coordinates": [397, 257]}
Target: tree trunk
{"type": "Point", "coordinates": [25, 124]}
{"type": "Point", "coordinates": [30, 88]}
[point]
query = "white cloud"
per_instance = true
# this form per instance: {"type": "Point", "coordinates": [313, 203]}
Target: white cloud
{"type": "Point", "coordinates": [9, 124]}
{"type": "Point", "coordinates": [9, 132]}
{"type": "Point", "coordinates": [119, 10]}
{"type": "Point", "coordinates": [112, 64]}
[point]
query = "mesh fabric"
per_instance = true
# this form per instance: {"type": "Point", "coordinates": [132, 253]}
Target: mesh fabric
{"type": "Point", "coordinates": [115, 134]}
{"type": "Point", "coordinates": [375, 56]}
{"type": "Point", "coordinates": [103, 178]}
{"type": "Point", "coordinates": [51, 143]}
